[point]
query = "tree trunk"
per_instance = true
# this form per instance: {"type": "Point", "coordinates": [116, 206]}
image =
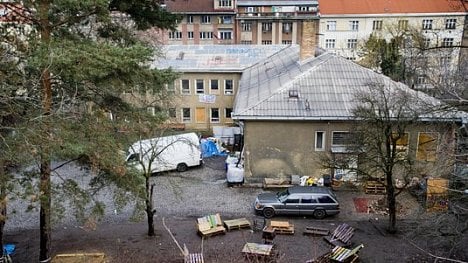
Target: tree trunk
{"type": "Point", "coordinates": [149, 207]}
{"type": "Point", "coordinates": [44, 187]}
{"type": "Point", "coordinates": [391, 205]}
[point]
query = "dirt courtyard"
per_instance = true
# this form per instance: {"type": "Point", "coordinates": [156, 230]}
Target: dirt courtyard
{"type": "Point", "coordinates": [129, 243]}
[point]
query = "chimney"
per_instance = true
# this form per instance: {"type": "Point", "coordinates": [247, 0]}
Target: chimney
{"type": "Point", "coordinates": [309, 38]}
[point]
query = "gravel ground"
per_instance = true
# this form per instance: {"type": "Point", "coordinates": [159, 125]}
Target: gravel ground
{"type": "Point", "coordinates": [196, 192]}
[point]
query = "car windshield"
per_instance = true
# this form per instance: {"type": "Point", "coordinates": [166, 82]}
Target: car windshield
{"type": "Point", "coordinates": [283, 195]}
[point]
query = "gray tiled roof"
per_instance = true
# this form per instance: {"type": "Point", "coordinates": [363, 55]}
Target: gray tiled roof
{"type": "Point", "coordinates": [326, 85]}
{"type": "Point", "coordinates": [213, 58]}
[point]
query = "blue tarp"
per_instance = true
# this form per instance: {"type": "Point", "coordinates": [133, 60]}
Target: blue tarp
{"type": "Point", "coordinates": [9, 248]}
{"type": "Point", "coordinates": [209, 149]}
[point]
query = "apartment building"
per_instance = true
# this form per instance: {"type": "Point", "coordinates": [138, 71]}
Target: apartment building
{"type": "Point", "coordinates": [274, 22]}
{"type": "Point", "coordinates": [209, 75]}
{"type": "Point", "coordinates": [203, 22]}
{"type": "Point", "coordinates": [346, 24]}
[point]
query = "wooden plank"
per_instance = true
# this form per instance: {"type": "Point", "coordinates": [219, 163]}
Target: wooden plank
{"type": "Point", "coordinates": [257, 249]}
{"type": "Point", "coordinates": [316, 231]}
{"type": "Point", "coordinates": [279, 224]}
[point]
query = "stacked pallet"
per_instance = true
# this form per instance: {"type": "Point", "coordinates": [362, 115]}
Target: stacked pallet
{"type": "Point", "coordinates": [237, 224]}
{"type": "Point", "coordinates": [316, 231]}
{"type": "Point", "coordinates": [210, 225]}
{"type": "Point", "coordinates": [280, 227]}
{"type": "Point", "coordinates": [375, 187]}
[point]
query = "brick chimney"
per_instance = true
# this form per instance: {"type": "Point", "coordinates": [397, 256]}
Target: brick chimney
{"type": "Point", "coordinates": [309, 38]}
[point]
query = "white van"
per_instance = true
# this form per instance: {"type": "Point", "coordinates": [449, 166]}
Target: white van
{"type": "Point", "coordinates": [176, 152]}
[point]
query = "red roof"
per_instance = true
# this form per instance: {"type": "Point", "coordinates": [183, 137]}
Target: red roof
{"type": "Point", "coordinates": [337, 7]}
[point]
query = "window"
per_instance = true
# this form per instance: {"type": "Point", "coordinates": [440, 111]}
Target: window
{"type": "Point", "coordinates": [329, 43]}
{"type": "Point", "coordinates": [325, 199]}
{"type": "Point", "coordinates": [190, 34]}
{"type": "Point", "coordinates": [266, 27]}
{"type": "Point", "coordinates": [171, 112]}
{"type": "Point", "coordinates": [185, 84]}
{"type": "Point", "coordinates": [331, 25]}
{"type": "Point", "coordinates": [246, 42]}
{"type": "Point", "coordinates": [308, 199]}
{"type": "Point", "coordinates": [175, 35]}
{"type": "Point", "coordinates": [352, 43]}
{"type": "Point", "coordinates": [170, 88]}
{"type": "Point", "coordinates": [206, 20]}
{"type": "Point", "coordinates": [292, 200]}
{"type": "Point", "coordinates": [206, 35]}
{"type": "Point", "coordinates": [426, 42]}
{"type": "Point", "coordinates": [225, 3]}
{"type": "Point", "coordinates": [225, 35]}
{"type": "Point", "coordinates": [200, 86]}
{"type": "Point", "coordinates": [228, 87]}
{"type": "Point", "coordinates": [319, 141]}
{"type": "Point", "coordinates": [351, 58]}
{"type": "Point", "coordinates": [427, 146]}
{"type": "Point", "coordinates": [427, 24]}
{"type": "Point", "coordinates": [450, 23]}
{"type": "Point", "coordinates": [250, 9]}
{"type": "Point", "coordinates": [377, 25]}
{"type": "Point", "coordinates": [227, 113]}
{"type": "Point", "coordinates": [214, 85]}
{"type": "Point", "coordinates": [246, 26]}
{"type": "Point", "coordinates": [186, 115]}
{"type": "Point", "coordinates": [286, 42]}
{"type": "Point", "coordinates": [447, 42]}
{"type": "Point", "coordinates": [214, 115]}
{"type": "Point", "coordinates": [225, 20]}
{"type": "Point", "coordinates": [401, 145]}
{"type": "Point", "coordinates": [287, 27]}
{"type": "Point", "coordinates": [341, 138]}
{"type": "Point", "coordinates": [354, 25]}
{"type": "Point", "coordinates": [445, 61]}
{"type": "Point", "coordinates": [403, 24]}
{"type": "Point", "coordinates": [189, 19]}
{"type": "Point", "coordinates": [421, 80]}
{"type": "Point", "coordinates": [266, 42]}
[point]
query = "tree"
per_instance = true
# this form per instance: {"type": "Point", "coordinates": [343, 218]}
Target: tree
{"type": "Point", "coordinates": [76, 60]}
{"type": "Point", "coordinates": [385, 114]}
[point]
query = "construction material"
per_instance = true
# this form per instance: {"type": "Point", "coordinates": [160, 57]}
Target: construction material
{"type": "Point", "coordinates": [80, 257]}
{"type": "Point", "coordinates": [341, 254]}
{"type": "Point", "coordinates": [192, 257]}
{"type": "Point", "coordinates": [210, 225]}
{"type": "Point", "coordinates": [316, 231]}
{"type": "Point", "coordinates": [237, 224]}
{"type": "Point", "coordinates": [375, 187]}
{"type": "Point", "coordinates": [341, 236]}
{"type": "Point", "coordinates": [437, 195]}
{"type": "Point", "coordinates": [255, 251]}
{"type": "Point", "coordinates": [268, 235]}
{"type": "Point", "coordinates": [276, 183]}
{"type": "Point", "coordinates": [280, 227]}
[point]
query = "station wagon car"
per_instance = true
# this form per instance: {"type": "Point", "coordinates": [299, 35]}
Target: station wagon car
{"type": "Point", "coordinates": [298, 200]}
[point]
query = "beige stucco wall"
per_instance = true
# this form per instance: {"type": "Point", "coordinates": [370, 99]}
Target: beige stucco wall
{"type": "Point", "coordinates": [281, 149]}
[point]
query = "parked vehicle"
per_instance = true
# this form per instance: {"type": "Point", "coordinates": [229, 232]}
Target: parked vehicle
{"type": "Point", "coordinates": [176, 152]}
{"type": "Point", "coordinates": [298, 200]}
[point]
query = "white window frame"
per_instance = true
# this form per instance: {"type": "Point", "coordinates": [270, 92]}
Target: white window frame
{"type": "Point", "coordinates": [427, 24]}
{"type": "Point", "coordinates": [450, 23]}
{"type": "Point", "coordinates": [190, 35]}
{"type": "Point", "coordinates": [225, 3]}
{"type": "Point", "coordinates": [377, 25]}
{"type": "Point", "coordinates": [354, 25]}
{"type": "Point", "coordinates": [352, 43]}
{"type": "Point", "coordinates": [206, 35]}
{"type": "Point", "coordinates": [172, 113]}
{"type": "Point", "coordinates": [286, 42]}
{"type": "Point", "coordinates": [330, 43]}
{"type": "Point", "coordinates": [246, 26]}
{"type": "Point", "coordinates": [186, 119]}
{"type": "Point", "coordinates": [197, 87]}
{"type": "Point", "coordinates": [214, 119]}
{"type": "Point", "coordinates": [175, 35]}
{"type": "Point", "coordinates": [447, 42]}
{"type": "Point", "coordinates": [226, 113]}
{"type": "Point", "coordinates": [322, 141]}
{"type": "Point", "coordinates": [206, 19]}
{"type": "Point", "coordinates": [225, 34]}
{"type": "Point", "coordinates": [182, 90]}
{"type": "Point", "coordinates": [267, 26]}
{"type": "Point", "coordinates": [189, 19]}
{"type": "Point", "coordinates": [231, 90]}
{"type": "Point", "coordinates": [287, 27]}
{"type": "Point", "coordinates": [267, 42]}
{"type": "Point", "coordinates": [331, 25]}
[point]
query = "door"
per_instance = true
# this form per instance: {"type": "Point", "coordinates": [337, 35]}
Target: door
{"type": "Point", "coordinates": [308, 204]}
{"type": "Point", "coordinates": [200, 115]}
{"type": "Point", "coordinates": [291, 205]}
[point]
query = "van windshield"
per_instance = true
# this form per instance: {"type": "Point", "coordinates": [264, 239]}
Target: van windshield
{"type": "Point", "coordinates": [283, 195]}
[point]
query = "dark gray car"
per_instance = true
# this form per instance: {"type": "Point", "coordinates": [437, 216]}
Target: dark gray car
{"type": "Point", "coordinates": [298, 200]}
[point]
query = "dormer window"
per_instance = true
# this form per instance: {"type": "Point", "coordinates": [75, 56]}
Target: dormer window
{"type": "Point", "coordinates": [294, 94]}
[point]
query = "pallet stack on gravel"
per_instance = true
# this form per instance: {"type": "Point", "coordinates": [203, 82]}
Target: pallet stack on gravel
{"type": "Point", "coordinates": [210, 225]}
{"type": "Point", "coordinates": [280, 227]}
{"type": "Point", "coordinates": [375, 187]}
{"type": "Point", "coordinates": [237, 224]}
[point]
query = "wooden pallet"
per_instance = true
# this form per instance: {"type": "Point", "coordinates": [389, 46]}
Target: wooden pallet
{"type": "Point", "coordinates": [375, 187]}
{"type": "Point", "coordinates": [212, 231]}
{"type": "Point", "coordinates": [280, 227]}
{"type": "Point", "coordinates": [341, 236]}
{"type": "Point", "coordinates": [316, 231]}
{"type": "Point", "coordinates": [237, 224]}
{"type": "Point", "coordinates": [210, 225]}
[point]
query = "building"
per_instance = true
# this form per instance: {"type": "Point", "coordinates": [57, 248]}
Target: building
{"type": "Point", "coordinates": [346, 24]}
{"type": "Point", "coordinates": [296, 111]}
{"type": "Point", "coordinates": [204, 93]}
{"type": "Point", "coordinates": [275, 22]}
{"type": "Point", "coordinates": [203, 22]}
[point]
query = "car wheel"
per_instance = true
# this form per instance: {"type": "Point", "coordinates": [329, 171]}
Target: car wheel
{"type": "Point", "coordinates": [268, 212]}
{"type": "Point", "coordinates": [182, 167]}
{"type": "Point", "coordinates": [319, 213]}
